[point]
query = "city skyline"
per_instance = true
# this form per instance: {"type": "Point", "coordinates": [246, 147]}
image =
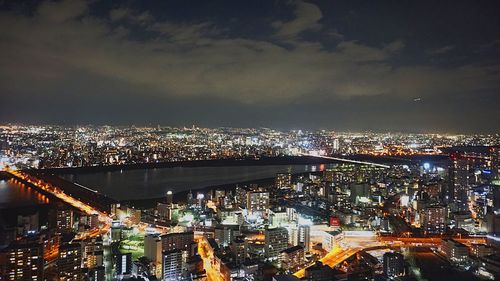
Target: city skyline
{"type": "Point", "coordinates": [251, 140]}
{"type": "Point", "coordinates": [405, 67]}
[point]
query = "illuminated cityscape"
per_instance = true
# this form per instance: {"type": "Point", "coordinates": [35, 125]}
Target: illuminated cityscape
{"type": "Point", "coordinates": [249, 140]}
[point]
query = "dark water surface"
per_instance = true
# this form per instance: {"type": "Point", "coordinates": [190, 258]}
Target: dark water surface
{"type": "Point", "coordinates": [14, 194]}
{"type": "Point", "coordinates": [153, 183]}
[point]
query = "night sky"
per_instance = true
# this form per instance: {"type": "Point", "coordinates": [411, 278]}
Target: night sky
{"type": "Point", "coordinates": [409, 66]}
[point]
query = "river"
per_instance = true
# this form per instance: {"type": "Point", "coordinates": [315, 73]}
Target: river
{"type": "Point", "coordinates": [154, 183]}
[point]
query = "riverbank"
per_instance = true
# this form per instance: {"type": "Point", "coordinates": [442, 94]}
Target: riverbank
{"type": "Point", "coordinates": [264, 161]}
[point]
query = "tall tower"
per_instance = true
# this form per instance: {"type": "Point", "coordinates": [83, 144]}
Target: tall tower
{"type": "Point", "coordinates": [170, 198]}
{"type": "Point", "coordinates": [460, 180]}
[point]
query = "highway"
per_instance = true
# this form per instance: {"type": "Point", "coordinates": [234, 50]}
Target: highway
{"type": "Point", "coordinates": [105, 219]}
{"type": "Point", "coordinates": [47, 187]}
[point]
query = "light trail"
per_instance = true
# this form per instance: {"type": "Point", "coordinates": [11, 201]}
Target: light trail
{"type": "Point", "coordinates": [346, 160]}
{"type": "Point", "coordinates": [82, 186]}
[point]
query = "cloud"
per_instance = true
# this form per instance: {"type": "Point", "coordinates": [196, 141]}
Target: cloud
{"type": "Point", "coordinates": [62, 11]}
{"type": "Point", "coordinates": [193, 61]}
{"type": "Point", "coordinates": [121, 13]}
{"type": "Point", "coordinates": [307, 16]}
{"type": "Point", "coordinates": [441, 50]}
{"type": "Point", "coordinates": [184, 33]}
{"type": "Point", "coordinates": [395, 46]}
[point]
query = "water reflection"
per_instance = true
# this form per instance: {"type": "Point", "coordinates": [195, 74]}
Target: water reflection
{"type": "Point", "coordinates": [16, 194]}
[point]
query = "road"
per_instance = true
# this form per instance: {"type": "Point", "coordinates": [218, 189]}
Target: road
{"type": "Point", "coordinates": [212, 274]}
{"type": "Point", "coordinates": [333, 258]}
{"type": "Point", "coordinates": [105, 219]}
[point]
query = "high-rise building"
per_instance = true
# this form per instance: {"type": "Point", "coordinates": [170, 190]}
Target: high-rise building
{"type": "Point", "coordinates": [93, 252]}
{"type": "Point", "coordinates": [292, 258]}
{"type": "Point", "coordinates": [241, 196]}
{"type": "Point", "coordinates": [22, 261]}
{"type": "Point", "coordinates": [62, 219]}
{"type": "Point", "coordinates": [239, 249]}
{"type": "Point", "coordinates": [134, 215]}
{"type": "Point", "coordinates": [219, 197]}
{"type": "Point", "coordinates": [28, 223]}
{"type": "Point", "coordinates": [97, 274]}
{"type": "Point", "coordinates": [495, 162]}
{"type": "Point", "coordinates": [276, 240]}
{"type": "Point", "coordinates": [459, 183]}
{"type": "Point", "coordinates": [283, 180]}
{"type": "Point", "coordinates": [69, 263]}
{"type": "Point", "coordinates": [304, 237]}
{"type": "Point", "coordinates": [433, 219]}
{"type": "Point", "coordinates": [164, 211]}
{"type": "Point", "coordinates": [190, 198]}
{"type": "Point", "coordinates": [360, 192]}
{"type": "Point", "coordinates": [394, 265]}
{"type": "Point", "coordinates": [331, 240]}
{"type": "Point", "coordinates": [152, 247]}
{"type": "Point", "coordinates": [278, 217]}
{"type": "Point", "coordinates": [172, 265]}
{"type": "Point", "coordinates": [224, 234]}
{"type": "Point", "coordinates": [454, 250]}
{"type": "Point", "coordinates": [123, 265]}
{"type": "Point", "coordinates": [257, 201]}
{"type": "Point", "coordinates": [177, 241]}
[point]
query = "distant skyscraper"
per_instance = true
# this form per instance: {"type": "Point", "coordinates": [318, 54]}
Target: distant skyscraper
{"type": "Point", "coordinates": [394, 265]}
{"type": "Point", "coordinates": [459, 183]}
{"type": "Point", "coordinates": [495, 162]}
